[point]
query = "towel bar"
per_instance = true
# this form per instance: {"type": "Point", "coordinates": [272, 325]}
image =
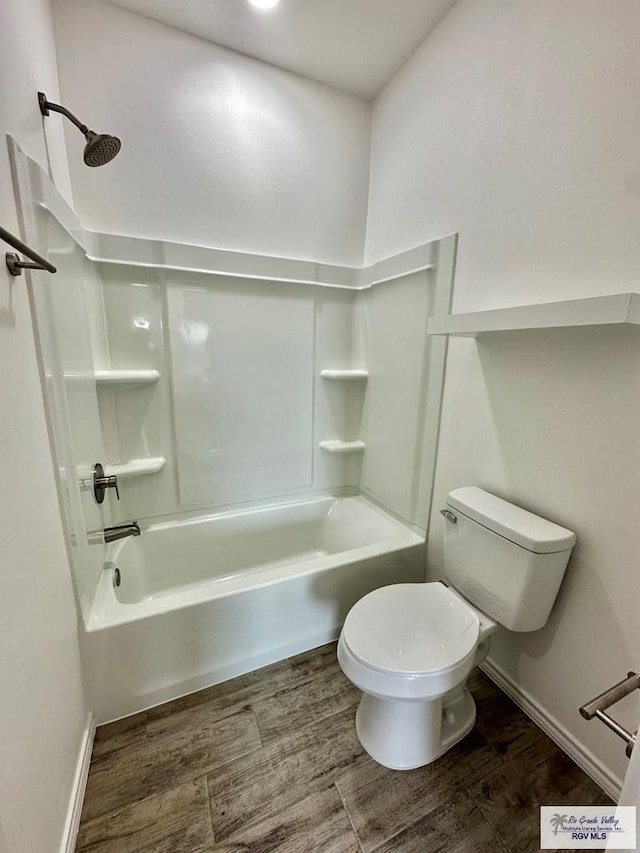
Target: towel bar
{"type": "Point", "coordinates": [596, 708]}
{"type": "Point", "coordinates": [13, 262]}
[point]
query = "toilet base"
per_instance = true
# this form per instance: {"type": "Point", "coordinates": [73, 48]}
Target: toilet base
{"type": "Point", "coordinates": [404, 735]}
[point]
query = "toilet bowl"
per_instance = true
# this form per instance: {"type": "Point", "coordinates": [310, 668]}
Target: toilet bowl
{"type": "Point", "coordinates": [410, 647]}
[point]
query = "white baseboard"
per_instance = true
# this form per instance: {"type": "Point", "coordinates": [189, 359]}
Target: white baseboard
{"type": "Point", "coordinates": [583, 757]}
{"type": "Point", "coordinates": [79, 785]}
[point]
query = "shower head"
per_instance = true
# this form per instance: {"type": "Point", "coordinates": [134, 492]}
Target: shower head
{"type": "Point", "coordinates": [100, 148]}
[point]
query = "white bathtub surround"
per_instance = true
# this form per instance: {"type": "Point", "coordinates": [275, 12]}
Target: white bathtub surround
{"type": "Point", "coordinates": [205, 329]}
{"type": "Point", "coordinates": [61, 308]}
{"type": "Point", "coordinates": [242, 362]}
{"type": "Point", "coordinates": [192, 415]}
{"type": "Point", "coordinates": [120, 250]}
{"type": "Point", "coordinates": [165, 352]}
{"type": "Point", "coordinates": [209, 597]}
{"type": "Point", "coordinates": [182, 349]}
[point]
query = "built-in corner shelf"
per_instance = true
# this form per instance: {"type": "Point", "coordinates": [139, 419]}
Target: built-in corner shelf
{"type": "Point", "coordinates": [342, 446]}
{"type": "Point", "coordinates": [612, 310]}
{"type": "Point", "coordinates": [353, 379]}
{"type": "Point", "coordinates": [345, 375]}
{"type": "Point", "coordinates": [110, 378]}
{"type": "Point", "coordinates": [137, 467]}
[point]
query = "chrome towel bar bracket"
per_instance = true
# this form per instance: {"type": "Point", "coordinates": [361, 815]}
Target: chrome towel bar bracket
{"type": "Point", "coordinates": [596, 708]}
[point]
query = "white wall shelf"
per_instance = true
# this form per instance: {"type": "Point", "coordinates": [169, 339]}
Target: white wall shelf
{"type": "Point", "coordinates": [337, 446]}
{"type": "Point", "coordinates": [108, 378]}
{"type": "Point", "coordinates": [612, 310]}
{"type": "Point", "coordinates": [345, 375]}
{"type": "Point", "coordinates": [136, 467]}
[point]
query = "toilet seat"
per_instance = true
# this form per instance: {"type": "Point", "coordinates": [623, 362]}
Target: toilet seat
{"type": "Point", "coordinates": [411, 629]}
{"type": "Point", "coordinates": [409, 641]}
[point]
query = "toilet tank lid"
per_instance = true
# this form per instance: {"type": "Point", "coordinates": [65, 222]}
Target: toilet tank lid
{"type": "Point", "coordinates": [510, 521]}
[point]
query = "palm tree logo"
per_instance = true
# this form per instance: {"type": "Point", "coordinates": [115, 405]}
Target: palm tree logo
{"type": "Point", "coordinates": [557, 821]}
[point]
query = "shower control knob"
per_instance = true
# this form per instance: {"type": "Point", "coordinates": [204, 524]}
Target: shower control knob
{"type": "Point", "coordinates": [101, 482]}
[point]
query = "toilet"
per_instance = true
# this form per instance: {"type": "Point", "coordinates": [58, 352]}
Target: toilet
{"type": "Point", "coordinates": [410, 647]}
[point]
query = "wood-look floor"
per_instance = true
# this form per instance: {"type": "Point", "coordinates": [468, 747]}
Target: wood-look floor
{"type": "Point", "coordinates": [271, 762]}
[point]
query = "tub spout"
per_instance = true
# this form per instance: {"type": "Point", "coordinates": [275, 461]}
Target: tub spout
{"type": "Point", "coordinates": [121, 531]}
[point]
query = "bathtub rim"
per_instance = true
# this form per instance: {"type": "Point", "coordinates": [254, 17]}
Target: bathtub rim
{"type": "Point", "coordinates": [283, 500]}
{"type": "Point", "coordinates": [107, 611]}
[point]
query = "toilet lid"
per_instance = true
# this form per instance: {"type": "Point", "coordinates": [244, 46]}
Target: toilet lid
{"type": "Point", "coordinates": [411, 628]}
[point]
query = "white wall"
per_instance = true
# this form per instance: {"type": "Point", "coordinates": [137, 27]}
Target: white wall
{"type": "Point", "coordinates": [42, 712]}
{"type": "Point", "coordinates": [218, 149]}
{"type": "Point", "coordinates": [515, 124]}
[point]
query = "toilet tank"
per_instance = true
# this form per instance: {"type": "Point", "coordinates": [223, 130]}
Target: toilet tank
{"type": "Point", "coordinates": [502, 558]}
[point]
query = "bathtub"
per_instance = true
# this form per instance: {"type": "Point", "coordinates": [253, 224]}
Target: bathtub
{"type": "Point", "coordinates": [205, 598]}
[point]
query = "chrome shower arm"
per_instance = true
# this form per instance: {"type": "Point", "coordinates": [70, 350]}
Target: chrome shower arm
{"type": "Point", "coordinates": [101, 148]}
{"type": "Point", "coordinates": [47, 106]}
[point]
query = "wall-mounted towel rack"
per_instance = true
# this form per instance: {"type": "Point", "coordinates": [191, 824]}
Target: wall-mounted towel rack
{"type": "Point", "coordinates": [596, 708]}
{"type": "Point", "coordinates": [14, 264]}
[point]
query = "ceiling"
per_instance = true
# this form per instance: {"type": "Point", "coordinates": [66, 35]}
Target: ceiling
{"type": "Point", "coordinates": [354, 45]}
